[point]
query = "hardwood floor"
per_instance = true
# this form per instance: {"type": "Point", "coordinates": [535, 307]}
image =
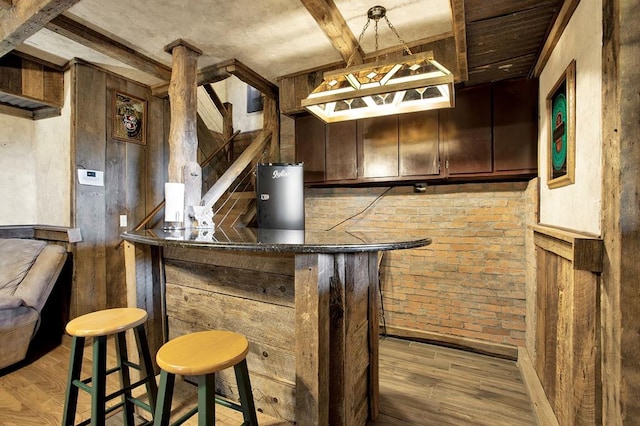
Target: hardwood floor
{"type": "Point", "coordinates": [423, 384]}
{"type": "Point", "coordinates": [420, 384]}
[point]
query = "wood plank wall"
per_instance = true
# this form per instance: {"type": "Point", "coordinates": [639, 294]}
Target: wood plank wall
{"type": "Point", "coordinates": [568, 323]}
{"type": "Point", "coordinates": [203, 290]}
{"type": "Point", "coordinates": [133, 175]}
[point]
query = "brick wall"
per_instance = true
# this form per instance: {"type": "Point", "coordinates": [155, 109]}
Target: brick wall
{"type": "Point", "coordinates": [470, 282]}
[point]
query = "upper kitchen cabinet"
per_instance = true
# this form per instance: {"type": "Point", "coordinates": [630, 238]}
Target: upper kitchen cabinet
{"type": "Point", "coordinates": [418, 144]}
{"type": "Point", "coordinates": [310, 147]}
{"type": "Point", "coordinates": [341, 151]}
{"type": "Point", "coordinates": [378, 147]}
{"type": "Point", "coordinates": [465, 133]}
{"type": "Point", "coordinates": [490, 134]}
{"type": "Point", "coordinates": [515, 126]}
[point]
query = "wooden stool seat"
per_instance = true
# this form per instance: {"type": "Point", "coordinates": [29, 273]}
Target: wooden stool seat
{"type": "Point", "coordinates": [99, 326]}
{"type": "Point", "coordinates": [202, 354]}
{"type": "Point", "coordinates": [106, 322]}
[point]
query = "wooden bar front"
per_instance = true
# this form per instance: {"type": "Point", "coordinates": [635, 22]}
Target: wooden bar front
{"type": "Point", "coordinates": [310, 318]}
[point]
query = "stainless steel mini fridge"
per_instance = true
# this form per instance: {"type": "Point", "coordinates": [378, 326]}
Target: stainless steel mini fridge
{"type": "Point", "coordinates": [280, 195]}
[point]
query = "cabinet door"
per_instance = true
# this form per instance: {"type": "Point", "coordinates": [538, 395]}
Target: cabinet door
{"type": "Point", "coordinates": [378, 147]}
{"type": "Point", "coordinates": [466, 132]}
{"type": "Point", "coordinates": [310, 136]}
{"type": "Point", "coordinates": [515, 126]}
{"type": "Point", "coordinates": [418, 143]}
{"type": "Point", "coordinates": [341, 153]}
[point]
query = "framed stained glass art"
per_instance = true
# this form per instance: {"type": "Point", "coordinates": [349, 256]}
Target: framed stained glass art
{"type": "Point", "coordinates": [129, 118]}
{"type": "Point", "coordinates": [561, 119]}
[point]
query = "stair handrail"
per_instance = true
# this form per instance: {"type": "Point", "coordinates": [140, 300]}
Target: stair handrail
{"type": "Point", "coordinates": [225, 181]}
{"type": "Point", "coordinates": [204, 163]}
{"type": "Point", "coordinates": [245, 182]}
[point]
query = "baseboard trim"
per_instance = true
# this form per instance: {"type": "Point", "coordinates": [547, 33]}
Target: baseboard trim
{"type": "Point", "coordinates": [541, 406]}
{"type": "Point", "coordinates": [474, 345]}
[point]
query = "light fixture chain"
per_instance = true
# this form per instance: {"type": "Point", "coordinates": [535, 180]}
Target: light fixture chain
{"type": "Point", "coordinates": [376, 28]}
{"type": "Point", "coordinates": [355, 50]}
{"type": "Point", "coordinates": [404, 44]}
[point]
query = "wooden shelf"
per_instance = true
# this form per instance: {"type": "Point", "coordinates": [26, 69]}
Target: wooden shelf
{"type": "Point", "coordinates": [584, 251]}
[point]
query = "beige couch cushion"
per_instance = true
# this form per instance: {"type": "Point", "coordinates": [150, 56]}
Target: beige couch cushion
{"type": "Point", "coordinates": [16, 259]}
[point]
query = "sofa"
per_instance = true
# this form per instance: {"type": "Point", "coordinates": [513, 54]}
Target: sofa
{"type": "Point", "coordinates": [29, 270]}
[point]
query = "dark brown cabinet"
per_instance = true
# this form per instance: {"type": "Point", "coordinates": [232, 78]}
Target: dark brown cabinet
{"type": "Point", "coordinates": [341, 151]}
{"type": "Point", "coordinates": [418, 144]}
{"type": "Point", "coordinates": [466, 132]}
{"type": "Point", "coordinates": [310, 147]}
{"type": "Point", "coordinates": [492, 133]}
{"type": "Point", "coordinates": [515, 126]}
{"type": "Point", "coordinates": [378, 147]}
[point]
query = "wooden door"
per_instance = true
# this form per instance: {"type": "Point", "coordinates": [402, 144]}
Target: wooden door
{"type": "Point", "coordinates": [515, 126]}
{"type": "Point", "coordinates": [378, 147]}
{"type": "Point", "coordinates": [310, 136]}
{"type": "Point", "coordinates": [418, 144]}
{"type": "Point", "coordinates": [341, 153]}
{"type": "Point", "coordinates": [466, 132]}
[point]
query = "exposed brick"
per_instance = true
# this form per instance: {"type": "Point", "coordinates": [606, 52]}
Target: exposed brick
{"type": "Point", "coordinates": [470, 282]}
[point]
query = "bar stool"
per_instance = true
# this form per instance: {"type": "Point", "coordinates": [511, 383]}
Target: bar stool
{"type": "Point", "coordinates": [202, 354]}
{"type": "Point", "coordinates": [99, 325]}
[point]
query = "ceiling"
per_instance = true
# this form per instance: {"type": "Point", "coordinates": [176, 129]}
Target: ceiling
{"type": "Point", "coordinates": [495, 39]}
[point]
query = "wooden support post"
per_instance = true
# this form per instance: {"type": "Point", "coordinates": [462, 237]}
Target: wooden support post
{"type": "Point", "coordinates": [312, 291]}
{"type": "Point", "coordinates": [183, 133]}
{"type": "Point", "coordinates": [227, 129]}
{"type": "Point", "coordinates": [621, 173]}
{"type": "Point", "coordinates": [336, 346]}
{"type": "Point", "coordinates": [271, 123]}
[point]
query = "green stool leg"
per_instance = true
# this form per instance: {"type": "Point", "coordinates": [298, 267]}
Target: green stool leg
{"type": "Point", "coordinates": [165, 395]}
{"type": "Point", "coordinates": [207, 400]}
{"type": "Point", "coordinates": [125, 378]}
{"type": "Point", "coordinates": [246, 396]}
{"type": "Point", "coordinates": [75, 367]}
{"type": "Point", "coordinates": [146, 365]}
{"type": "Point", "coordinates": [99, 381]}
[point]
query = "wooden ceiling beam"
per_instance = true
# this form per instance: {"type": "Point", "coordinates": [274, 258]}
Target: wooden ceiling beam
{"type": "Point", "coordinates": [460, 36]}
{"type": "Point", "coordinates": [84, 35]}
{"type": "Point", "coordinates": [332, 23]}
{"type": "Point", "coordinates": [25, 18]}
{"type": "Point", "coordinates": [252, 78]}
{"type": "Point", "coordinates": [226, 69]}
{"type": "Point", "coordinates": [210, 74]}
{"type": "Point", "coordinates": [560, 23]}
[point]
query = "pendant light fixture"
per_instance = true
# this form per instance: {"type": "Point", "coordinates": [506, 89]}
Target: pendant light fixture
{"type": "Point", "coordinates": [413, 82]}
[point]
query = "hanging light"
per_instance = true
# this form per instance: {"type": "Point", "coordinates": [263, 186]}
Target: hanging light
{"type": "Point", "coordinates": [414, 82]}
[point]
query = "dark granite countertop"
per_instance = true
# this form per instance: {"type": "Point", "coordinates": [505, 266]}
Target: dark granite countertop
{"type": "Point", "coordinates": [278, 240]}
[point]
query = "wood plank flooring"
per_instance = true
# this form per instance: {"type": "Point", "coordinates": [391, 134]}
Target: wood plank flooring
{"type": "Point", "coordinates": [420, 384]}
{"type": "Point", "coordinates": [423, 384]}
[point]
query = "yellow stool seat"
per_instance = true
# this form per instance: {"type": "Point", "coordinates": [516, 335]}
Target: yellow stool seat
{"type": "Point", "coordinates": [99, 326]}
{"type": "Point", "coordinates": [106, 322]}
{"type": "Point", "coordinates": [202, 352]}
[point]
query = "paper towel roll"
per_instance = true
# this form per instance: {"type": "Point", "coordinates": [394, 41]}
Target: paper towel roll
{"type": "Point", "coordinates": [174, 202]}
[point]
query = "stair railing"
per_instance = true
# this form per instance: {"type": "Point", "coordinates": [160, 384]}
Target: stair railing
{"type": "Point", "coordinates": [204, 163]}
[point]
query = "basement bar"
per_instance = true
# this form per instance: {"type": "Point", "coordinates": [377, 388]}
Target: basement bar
{"type": "Point", "coordinates": [307, 302]}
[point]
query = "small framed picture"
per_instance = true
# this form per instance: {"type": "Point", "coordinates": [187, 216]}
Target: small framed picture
{"type": "Point", "coordinates": [254, 100]}
{"type": "Point", "coordinates": [561, 118]}
{"type": "Point", "coordinates": [129, 118]}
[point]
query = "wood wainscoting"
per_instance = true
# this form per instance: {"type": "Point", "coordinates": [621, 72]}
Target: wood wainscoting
{"type": "Point", "coordinates": [567, 358]}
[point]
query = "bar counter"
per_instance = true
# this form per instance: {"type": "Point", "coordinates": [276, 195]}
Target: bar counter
{"type": "Point", "coordinates": [307, 301]}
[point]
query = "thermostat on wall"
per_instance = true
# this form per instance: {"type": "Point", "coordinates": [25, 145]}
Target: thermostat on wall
{"type": "Point", "coordinates": [90, 177]}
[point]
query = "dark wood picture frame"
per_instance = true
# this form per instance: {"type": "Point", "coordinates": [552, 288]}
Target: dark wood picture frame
{"type": "Point", "coordinates": [561, 119]}
{"type": "Point", "coordinates": [129, 122]}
